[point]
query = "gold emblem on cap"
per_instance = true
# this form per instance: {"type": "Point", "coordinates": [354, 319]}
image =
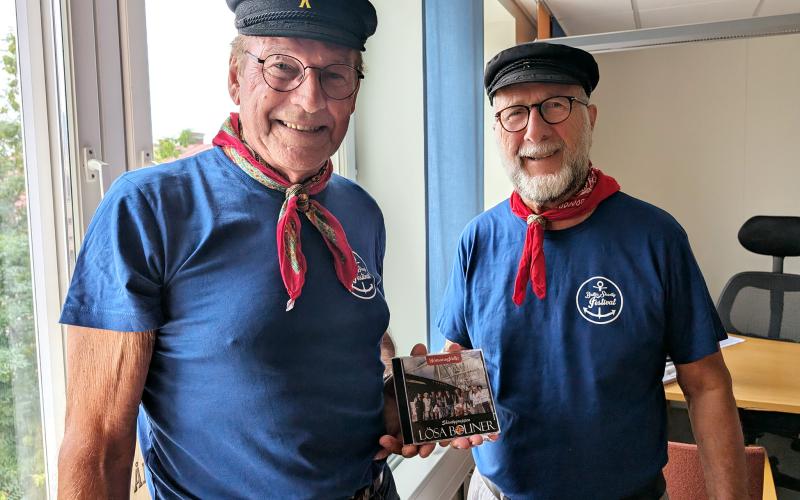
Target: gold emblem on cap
{"type": "Point", "coordinates": [304, 4]}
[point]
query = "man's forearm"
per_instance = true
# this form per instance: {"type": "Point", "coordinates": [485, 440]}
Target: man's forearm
{"type": "Point", "coordinates": [106, 372]}
{"type": "Point", "coordinates": [88, 471]}
{"type": "Point", "coordinates": [716, 428]}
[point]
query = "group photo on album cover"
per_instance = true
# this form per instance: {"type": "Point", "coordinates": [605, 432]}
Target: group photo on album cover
{"type": "Point", "coordinates": [442, 396]}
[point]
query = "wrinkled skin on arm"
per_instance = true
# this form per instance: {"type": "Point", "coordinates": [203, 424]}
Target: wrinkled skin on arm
{"type": "Point", "coordinates": [106, 372]}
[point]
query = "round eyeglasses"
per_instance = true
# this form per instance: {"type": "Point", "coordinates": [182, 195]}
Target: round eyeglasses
{"type": "Point", "coordinates": [552, 110]}
{"type": "Point", "coordinates": [285, 73]}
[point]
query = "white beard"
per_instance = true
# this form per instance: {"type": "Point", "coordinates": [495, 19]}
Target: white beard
{"type": "Point", "coordinates": [549, 188]}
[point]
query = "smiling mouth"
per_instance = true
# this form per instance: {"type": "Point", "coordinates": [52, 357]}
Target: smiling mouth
{"type": "Point", "coordinates": [300, 128]}
{"type": "Point", "coordinates": [541, 157]}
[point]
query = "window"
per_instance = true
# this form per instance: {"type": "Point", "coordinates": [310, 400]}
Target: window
{"type": "Point", "coordinates": [22, 472]}
{"type": "Point", "coordinates": [188, 46]}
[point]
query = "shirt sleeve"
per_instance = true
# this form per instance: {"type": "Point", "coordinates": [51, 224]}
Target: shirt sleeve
{"type": "Point", "coordinates": [452, 313]}
{"type": "Point", "coordinates": [693, 326]}
{"type": "Point", "coordinates": [118, 276]}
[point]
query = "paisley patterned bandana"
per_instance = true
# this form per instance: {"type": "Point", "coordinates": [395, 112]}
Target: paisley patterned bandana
{"type": "Point", "coordinates": [598, 187]}
{"type": "Point", "coordinates": [290, 255]}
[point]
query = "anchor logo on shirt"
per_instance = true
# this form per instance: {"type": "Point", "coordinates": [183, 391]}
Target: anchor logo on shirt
{"type": "Point", "coordinates": [364, 286]}
{"type": "Point", "coordinates": [600, 286]}
{"type": "Point", "coordinates": [599, 300]}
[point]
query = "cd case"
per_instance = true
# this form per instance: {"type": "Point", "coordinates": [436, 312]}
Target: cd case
{"type": "Point", "coordinates": [443, 396]}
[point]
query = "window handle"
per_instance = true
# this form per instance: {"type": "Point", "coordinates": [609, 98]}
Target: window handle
{"type": "Point", "coordinates": [95, 165]}
{"type": "Point", "coordinates": [94, 169]}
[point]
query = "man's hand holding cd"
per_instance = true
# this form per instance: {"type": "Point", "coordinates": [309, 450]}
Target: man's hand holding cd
{"type": "Point", "coordinates": [464, 443]}
{"type": "Point", "coordinates": [392, 441]}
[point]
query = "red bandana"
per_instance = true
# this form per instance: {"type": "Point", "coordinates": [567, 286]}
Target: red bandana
{"type": "Point", "coordinates": [598, 187]}
{"type": "Point", "coordinates": [290, 255]}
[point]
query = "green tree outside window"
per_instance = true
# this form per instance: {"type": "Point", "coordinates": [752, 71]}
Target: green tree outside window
{"type": "Point", "coordinates": [21, 444]}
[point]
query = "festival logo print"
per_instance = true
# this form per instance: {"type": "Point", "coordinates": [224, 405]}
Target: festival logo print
{"type": "Point", "coordinates": [599, 300]}
{"type": "Point", "coordinates": [364, 286]}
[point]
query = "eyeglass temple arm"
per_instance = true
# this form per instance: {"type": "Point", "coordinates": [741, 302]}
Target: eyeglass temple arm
{"type": "Point", "coordinates": [260, 61]}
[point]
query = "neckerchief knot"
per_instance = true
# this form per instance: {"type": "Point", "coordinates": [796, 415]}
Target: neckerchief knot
{"type": "Point", "coordinates": [538, 219]}
{"type": "Point", "coordinates": [291, 260]}
{"type": "Point", "coordinates": [531, 266]}
{"type": "Point", "coordinates": [297, 190]}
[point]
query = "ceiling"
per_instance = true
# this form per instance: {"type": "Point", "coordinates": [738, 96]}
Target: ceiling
{"type": "Point", "coordinates": [583, 17]}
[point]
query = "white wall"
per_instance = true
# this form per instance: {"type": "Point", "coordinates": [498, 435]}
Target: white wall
{"type": "Point", "coordinates": [391, 163]}
{"type": "Point", "coordinates": [709, 132]}
{"type": "Point", "coordinates": [523, 25]}
{"type": "Point", "coordinates": [500, 32]}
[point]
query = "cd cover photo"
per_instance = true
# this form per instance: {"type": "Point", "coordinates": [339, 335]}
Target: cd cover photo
{"type": "Point", "coordinates": [443, 396]}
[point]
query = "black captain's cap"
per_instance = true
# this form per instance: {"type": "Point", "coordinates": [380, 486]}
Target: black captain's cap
{"type": "Point", "coordinates": [344, 22]}
{"type": "Point", "coordinates": [541, 62]}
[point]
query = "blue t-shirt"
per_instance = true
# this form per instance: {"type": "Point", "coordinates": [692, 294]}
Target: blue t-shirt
{"type": "Point", "coordinates": [243, 399]}
{"type": "Point", "coordinates": [577, 376]}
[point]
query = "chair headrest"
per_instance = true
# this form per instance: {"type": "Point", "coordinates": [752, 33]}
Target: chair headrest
{"type": "Point", "coordinates": [771, 235]}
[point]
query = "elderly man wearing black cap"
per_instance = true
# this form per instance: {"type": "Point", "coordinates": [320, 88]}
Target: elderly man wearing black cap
{"type": "Point", "coordinates": [576, 365]}
{"type": "Point", "coordinates": [252, 361]}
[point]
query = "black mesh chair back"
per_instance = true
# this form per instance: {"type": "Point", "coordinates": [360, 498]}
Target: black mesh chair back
{"type": "Point", "coordinates": [765, 304]}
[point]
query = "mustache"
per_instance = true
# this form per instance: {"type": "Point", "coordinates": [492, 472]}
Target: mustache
{"type": "Point", "coordinates": [529, 150]}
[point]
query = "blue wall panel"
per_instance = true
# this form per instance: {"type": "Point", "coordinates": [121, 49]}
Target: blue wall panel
{"type": "Point", "coordinates": [453, 31]}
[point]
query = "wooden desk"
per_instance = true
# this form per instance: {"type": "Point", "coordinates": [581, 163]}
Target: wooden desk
{"type": "Point", "coordinates": [766, 375]}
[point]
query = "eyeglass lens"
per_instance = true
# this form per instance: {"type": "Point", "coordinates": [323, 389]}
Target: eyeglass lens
{"type": "Point", "coordinates": [285, 73]}
{"type": "Point", "coordinates": [553, 110]}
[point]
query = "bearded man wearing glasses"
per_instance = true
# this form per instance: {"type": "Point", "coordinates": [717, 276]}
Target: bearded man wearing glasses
{"type": "Point", "coordinates": [577, 292]}
{"type": "Point", "coordinates": [252, 363]}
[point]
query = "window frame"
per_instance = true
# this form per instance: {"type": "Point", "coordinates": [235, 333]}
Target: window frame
{"type": "Point", "coordinates": [440, 475]}
{"type": "Point", "coordinates": [98, 122]}
{"type": "Point", "coordinates": [44, 101]}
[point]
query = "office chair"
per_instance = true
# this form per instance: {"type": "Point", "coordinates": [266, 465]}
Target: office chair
{"type": "Point", "coordinates": [767, 305]}
{"type": "Point", "coordinates": [684, 473]}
